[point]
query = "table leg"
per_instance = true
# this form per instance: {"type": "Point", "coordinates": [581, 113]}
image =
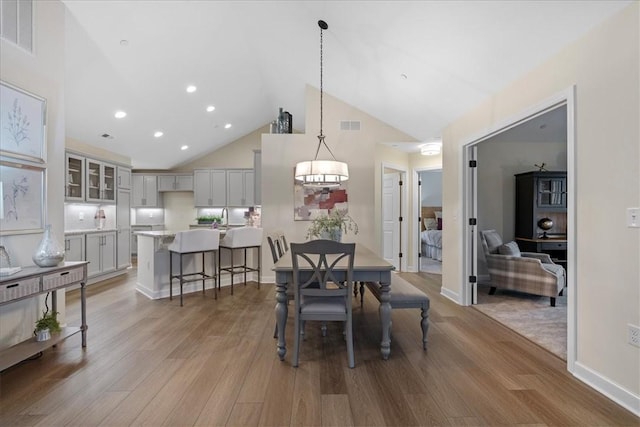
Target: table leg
{"type": "Point", "coordinates": [282, 311]}
{"type": "Point", "coordinates": [385, 320]}
{"type": "Point", "coordinates": [83, 313]}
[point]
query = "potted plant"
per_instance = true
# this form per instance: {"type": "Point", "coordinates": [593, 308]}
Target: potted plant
{"type": "Point", "coordinates": [46, 325]}
{"type": "Point", "coordinates": [209, 219]}
{"type": "Point", "coordinates": [332, 225]}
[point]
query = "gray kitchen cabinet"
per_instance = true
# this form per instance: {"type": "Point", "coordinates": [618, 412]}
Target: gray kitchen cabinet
{"type": "Point", "coordinates": [124, 178]}
{"type": "Point", "coordinates": [74, 247]}
{"type": "Point", "coordinates": [100, 181]}
{"type": "Point", "coordinates": [175, 182]}
{"type": "Point", "coordinates": [123, 224]}
{"type": "Point", "coordinates": [74, 188]}
{"type": "Point", "coordinates": [145, 191]}
{"type": "Point", "coordinates": [101, 252]}
{"type": "Point", "coordinates": [240, 187]}
{"type": "Point", "coordinates": [210, 187]}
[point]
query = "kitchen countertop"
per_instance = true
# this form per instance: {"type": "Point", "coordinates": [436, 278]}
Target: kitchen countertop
{"type": "Point", "coordinates": [89, 230]}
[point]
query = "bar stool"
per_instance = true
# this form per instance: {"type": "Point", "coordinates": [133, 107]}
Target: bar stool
{"type": "Point", "coordinates": [241, 238]}
{"type": "Point", "coordinates": [194, 242]}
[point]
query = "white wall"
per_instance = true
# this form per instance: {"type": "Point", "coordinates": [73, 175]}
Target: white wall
{"type": "Point", "coordinates": [604, 67]}
{"type": "Point", "coordinates": [41, 73]}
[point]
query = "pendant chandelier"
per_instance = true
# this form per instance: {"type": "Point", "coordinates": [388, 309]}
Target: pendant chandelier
{"type": "Point", "coordinates": [321, 173]}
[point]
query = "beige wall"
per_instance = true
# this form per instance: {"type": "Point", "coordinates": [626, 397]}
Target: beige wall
{"type": "Point", "coordinates": [42, 74]}
{"type": "Point", "coordinates": [604, 67]}
{"type": "Point", "coordinates": [280, 153]}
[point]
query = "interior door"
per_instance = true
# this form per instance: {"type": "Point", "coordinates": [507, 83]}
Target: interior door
{"type": "Point", "coordinates": [391, 218]}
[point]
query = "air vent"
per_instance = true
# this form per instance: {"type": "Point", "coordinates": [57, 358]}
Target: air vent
{"type": "Point", "coordinates": [349, 125]}
{"type": "Point", "coordinates": [16, 23]}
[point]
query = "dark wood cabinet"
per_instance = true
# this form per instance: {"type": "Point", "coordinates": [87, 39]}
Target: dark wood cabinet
{"type": "Point", "coordinates": [541, 195]}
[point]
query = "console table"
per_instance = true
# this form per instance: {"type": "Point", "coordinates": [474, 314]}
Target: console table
{"type": "Point", "coordinates": [556, 248]}
{"type": "Point", "coordinates": [31, 282]}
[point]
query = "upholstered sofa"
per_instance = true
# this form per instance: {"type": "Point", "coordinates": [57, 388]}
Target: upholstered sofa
{"type": "Point", "coordinates": [530, 272]}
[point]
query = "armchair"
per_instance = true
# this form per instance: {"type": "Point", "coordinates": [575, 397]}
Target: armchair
{"type": "Point", "coordinates": [530, 272]}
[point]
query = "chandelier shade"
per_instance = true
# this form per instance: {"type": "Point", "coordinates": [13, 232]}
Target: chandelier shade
{"type": "Point", "coordinates": [321, 173]}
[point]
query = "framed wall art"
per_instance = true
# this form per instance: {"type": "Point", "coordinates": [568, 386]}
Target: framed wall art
{"type": "Point", "coordinates": [22, 124]}
{"type": "Point", "coordinates": [21, 198]}
{"type": "Point", "coordinates": [309, 202]}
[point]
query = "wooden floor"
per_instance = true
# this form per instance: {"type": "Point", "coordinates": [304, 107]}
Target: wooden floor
{"type": "Point", "coordinates": [214, 363]}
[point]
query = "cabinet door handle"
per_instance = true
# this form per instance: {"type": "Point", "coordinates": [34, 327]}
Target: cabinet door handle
{"type": "Point", "coordinates": [119, 180]}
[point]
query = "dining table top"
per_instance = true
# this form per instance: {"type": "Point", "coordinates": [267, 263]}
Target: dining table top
{"type": "Point", "coordinates": [364, 259]}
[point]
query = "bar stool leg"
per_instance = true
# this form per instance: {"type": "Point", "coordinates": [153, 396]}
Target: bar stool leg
{"type": "Point", "coordinates": [181, 279]}
{"type": "Point", "coordinates": [215, 275]}
{"type": "Point", "coordinates": [244, 267]}
{"type": "Point", "coordinates": [170, 276]}
{"type": "Point", "coordinates": [203, 273]}
{"type": "Point", "coordinates": [232, 271]}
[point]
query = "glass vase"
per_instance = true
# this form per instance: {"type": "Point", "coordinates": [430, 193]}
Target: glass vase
{"type": "Point", "coordinates": [49, 253]}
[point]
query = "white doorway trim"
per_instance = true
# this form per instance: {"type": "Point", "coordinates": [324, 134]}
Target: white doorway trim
{"type": "Point", "coordinates": [403, 211]}
{"type": "Point", "coordinates": [417, 213]}
{"type": "Point", "coordinates": [565, 97]}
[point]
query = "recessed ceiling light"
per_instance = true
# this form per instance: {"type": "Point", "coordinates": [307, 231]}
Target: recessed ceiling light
{"type": "Point", "coordinates": [120, 114]}
{"type": "Point", "coordinates": [210, 108]}
{"type": "Point", "coordinates": [403, 76]}
{"type": "Point", "coordinates": [158, 134]}
{"type": "Point", "coordinates": [227, 126]}
{"type": "Point", "coordinates": [106, 136]}
{"type": "Point", "coordinates": [191, 88]}
{"type": "Point", "coordinates": [124, 42]}
{"type": "Point", "coordinates": [184, 147]}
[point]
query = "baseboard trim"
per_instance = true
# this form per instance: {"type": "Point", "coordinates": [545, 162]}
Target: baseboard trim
{"type": "Point", "coordinates": [453, 296]}
{"type": "Point", "coordinates": [610, 389]}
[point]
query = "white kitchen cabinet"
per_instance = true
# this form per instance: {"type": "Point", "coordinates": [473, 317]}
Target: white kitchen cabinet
{"type": "Point", "coordinates": [100, 181]}
{"type": "Point", "coordinates": [74, 189]}
{"type": "Point", "coordinates": [145, 191]}
{"type": "Point", "coordinates": [123, 224]}
{"type": "Point", "coordinates": [175, 182]}
{"type": "Point", "coordinates": [74, 247]}
{"type": "Point", "coordinates": [240, 187]}
{"type": "Point", "coordinates": [210, 187]}
{"type": "Point", "coordinates": [101, 252]}
{"type": "Point", "coordinates": [124, 178]}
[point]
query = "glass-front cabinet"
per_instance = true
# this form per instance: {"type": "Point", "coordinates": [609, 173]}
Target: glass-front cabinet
{"type": "Point", "coordinates": [74, 190]}
{"type": "Point", "coordinates": [101, 181]}
{"type": "Point", "coordinates": [552, 192]}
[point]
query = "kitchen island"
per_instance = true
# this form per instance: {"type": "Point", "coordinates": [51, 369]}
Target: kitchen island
{"type": "Point", "coordinates": [153, 264]}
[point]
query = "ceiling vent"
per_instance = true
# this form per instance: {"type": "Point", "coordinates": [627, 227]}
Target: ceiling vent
{"type": "Point", "coordinates": [16, 23]}
{"type": "Point", "coordinates": [349, 125]}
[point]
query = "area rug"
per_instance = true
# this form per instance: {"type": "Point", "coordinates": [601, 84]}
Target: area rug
{"type": "Point", "coordinates": [529, 315]}
{"type": "Point", "coordinates": [432, 266]}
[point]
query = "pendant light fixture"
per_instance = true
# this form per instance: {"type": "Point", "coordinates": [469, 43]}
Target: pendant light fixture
{"type": "Point", "coordinates": [321, 173]}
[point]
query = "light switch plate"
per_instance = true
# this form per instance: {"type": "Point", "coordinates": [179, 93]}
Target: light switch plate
{"type": "Point", "coordinates": [633, 217]}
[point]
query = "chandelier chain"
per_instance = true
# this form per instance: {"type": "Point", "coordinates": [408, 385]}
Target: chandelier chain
{"type": "Point", "coordinates": [321, 86]}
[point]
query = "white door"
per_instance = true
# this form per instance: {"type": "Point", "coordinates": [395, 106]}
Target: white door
{"type": "Point", "coordinates": [391, 218]}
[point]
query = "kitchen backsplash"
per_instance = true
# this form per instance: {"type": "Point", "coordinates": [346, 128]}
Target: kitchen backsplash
{"type": "Point", "coordinates": [82, 216]}
{"type": "Point", "coordinates": [147, 216]}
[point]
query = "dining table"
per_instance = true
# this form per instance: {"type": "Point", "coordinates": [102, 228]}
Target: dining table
{"type": "Point", "coordinates": [367, 267]}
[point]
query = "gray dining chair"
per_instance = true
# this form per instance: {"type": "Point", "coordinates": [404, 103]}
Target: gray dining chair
{"type": "Point", "coordinates": [322, 287]}
{"type": "Point", "coordinates": [275, 244]}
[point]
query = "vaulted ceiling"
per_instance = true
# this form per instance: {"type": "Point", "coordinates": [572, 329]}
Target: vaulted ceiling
{"type": "Point", "coordinates": [416, 65]}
